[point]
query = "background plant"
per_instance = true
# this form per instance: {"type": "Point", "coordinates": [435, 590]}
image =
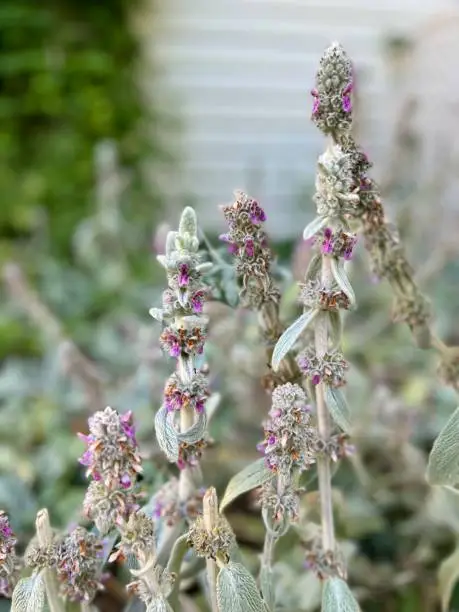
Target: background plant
{"type": "Point", "coordinates": [392, 529]}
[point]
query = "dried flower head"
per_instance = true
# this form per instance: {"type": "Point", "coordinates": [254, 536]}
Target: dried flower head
{"type": "Point", "coordinates": [336, 447]}
{"type": "Point", "coordinates": [330, 368]}
{"type": "Point", "coordinates": [190, 454]}
{"type": "Point", "coordinates": [78, 565]}
{"type": "Point", "coordinates": [314, 295]}
{"type": "Point", "coordinates": [8, 560]}
{"type": "Point", "coordinates": [106, 506]}
{"type": "Point", "coordinates": [288, 432]}
{"type": "Point", "coordinates": [332, 109]}
{"type": "Point", "coordinates": [156, 584]}
{"type": "Point", "coordinates": [112, 454]}
{"type": "Point", "coordinates": [39, 557]}
{"type": "Point", "coordinates": [324, 563]}
{"type": "Point", "coordinates": [193, 394]}
{"type": "Point", "coordinates": [218, 541]}
{"type": "Point", "coordinates": [283, 503]}
{"type": "Point", "coordinates": [138, 536]}
{"type": "Point", "coordinates": [247, 240]}
{"type": "Point", "coordinates": [168, 506]}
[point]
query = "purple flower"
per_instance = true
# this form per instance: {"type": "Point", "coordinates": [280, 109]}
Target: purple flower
{"type": "Point", "coordinates": [257, 214]}
{"type": "Point", "coordinates": [250, 248]}
{"type": "Point", "coordinates": [316, 105]}
{"type": "Point", "coordinates": [184, 275]}
{"type": "Point", "coordinates": [327, 244]}
{"type": "Point", "coordinates": [346, 103]}
{"type": "Point", "coordinates": [197, 301]}
{"type": "Point", "coordinates": [316, 379]}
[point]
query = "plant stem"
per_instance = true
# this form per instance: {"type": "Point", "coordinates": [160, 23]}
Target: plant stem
{"type": "Point", "coordinates": [186, 481]}
{"type": "Point", "coordinates": [323, 425]}
{"type": "Point", "coordinates": [210, 512]}
{"type": "Point", "coordinates": [45, 538]}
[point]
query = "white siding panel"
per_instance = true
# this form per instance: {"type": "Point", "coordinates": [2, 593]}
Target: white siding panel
{"type": "Point", "coordinates": [239, 73]}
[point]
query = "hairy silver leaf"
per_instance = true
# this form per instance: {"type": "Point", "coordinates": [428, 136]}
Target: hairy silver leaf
{"type": "Point", "coordinates": [338, 408]}
{"type": "Point", "coordinates": [166, 435]}
{"type": "Point", "coordinates": [337, 597]}
{"type": "Point", "coordinates": [252, 476]}
{"type": "Point", "coordinates": [290, 336]}
{"type": "Point", "coordinates": [237, 590]}
{"type": "Point", "coordinates": [29, 594]}
{"type": "Point", "coordinates": [443, 466]}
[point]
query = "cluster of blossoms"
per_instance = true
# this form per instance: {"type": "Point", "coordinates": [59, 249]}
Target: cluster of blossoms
{"type": "Point", "coordinates": [78, 565]}
{"type": "Point", "coordinates": [289, 435]}
{"type": "Point", "coordinates": [9, 563]}
{"type": "Point", "coordinates": [324, 563]}
{"type": "Point", "coordinates": [314, 295]}
{"type": "Point", "coordinates": [112, 459]}
{"type": "Point", "coordinates": [282, 502]}
{"type": "Point", "coordinates": [182, 341]}
{"type": "Point", "coordinates": [168, 507]}
{"type": "Point", "coordinates": [337, 244]}
{"type": "Point", "coordinates": [247, 240]}
{"type": "Point", "coordinates": [76, 559]}
{"type": "Point", "coordinates": [332, 109]}
{"type": "Point", "coordinates": [193, 394]}
{"type": "Point", "coordinates": [329, 369]}
{"type": "Point", "coordinates": [344, 189]}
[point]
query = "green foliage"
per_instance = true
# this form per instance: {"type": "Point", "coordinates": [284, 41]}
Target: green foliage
{"type": "Point", "coordinates": [67, 81]}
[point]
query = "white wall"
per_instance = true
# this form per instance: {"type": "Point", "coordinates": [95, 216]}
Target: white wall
{"type": "Point", "coordinates": [239, 74]}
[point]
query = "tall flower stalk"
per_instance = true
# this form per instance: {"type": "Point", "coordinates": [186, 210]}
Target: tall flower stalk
{"type": "Point", "coordinates": [326, 291]}
{"type": "Point", "coordinates": [181, 421]}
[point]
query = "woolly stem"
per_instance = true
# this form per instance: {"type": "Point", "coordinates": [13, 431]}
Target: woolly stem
{"type": "Point", "coordinates": [324, 424]}
{"type": "Point", "coordinates": [210, 513]}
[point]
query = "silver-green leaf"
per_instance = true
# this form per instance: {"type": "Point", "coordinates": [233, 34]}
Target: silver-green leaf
{"type": "Point", "coordinates": [166, 435]}
{"type": "Point", "coordinates": [448, 575]}
{"type": "Point", "coordinates": [337, 597]}
{"type": "Point", "coordinates": [188, 222]}
{"type": "Point", "coordinates": [29, 594]}
{"type": "Point", "coordinates": [443, 466]}
{"type": "Point", "coordinates": [290, 336]}
{"type": "Point", "coordinates": [156, 313]}
{"type": "Point", "coordinates": [196, 432]}
{"type": "Point", "coordinates": [252, 476]}
{"type": "Point", "coordinates": [237, 590]}
{"type": "Point", "coordinates": [334, 317]}
{"type": "Point", "coordinates": [340, 276]}
{"type": "Point", "coordinates": [338, 408]}
{"type": "Point", "coordinates": [315, 226]}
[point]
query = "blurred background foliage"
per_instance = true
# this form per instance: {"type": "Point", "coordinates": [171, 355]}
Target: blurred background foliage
{"type": "Point", "coordinates": [77, 219]}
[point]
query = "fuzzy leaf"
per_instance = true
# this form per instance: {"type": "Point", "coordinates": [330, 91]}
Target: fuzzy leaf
{"type": "Point", "coordinates": [443, 466]}
{"type": "Point", "coordinates": [237, 590]}
{"type": "Point", "coordinates": [29, 595]}
{"type": "Point", "coordinates": [315, 226]}
{"type": "Point", "coordinates": [340, 276]}
{"type": "Point", "coordinates": [195, 432]}
{"type": "Point", "coordinates": [290, 336]}
{"type": "Point", "coordinates": [251, 477]}
{"type": "Point", "coordinates": [162, 259]}
{"type": "Point", "coordinates": [159, 605]}
{"type": "Point", "coordinates": [313, 268]}
{"type": "Point", "coordinates": [337, 597]}
{"type": "Point", "coordinates": [156, 313]}
{"type": "Point", "coordinates": [448, 575]}
{"type": "Point", "coordinates": [338, 408]}
{"type": "Point", "coordinates": [188, 222]}
{"type": "Point", "coordinates": [170, 244]}
{"type": "Point", "coordinates": [166, 435]}
{"type": "Point", "coordinates": [335, 327]}
{"type": "Point", "coordinates": [267, 586]}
